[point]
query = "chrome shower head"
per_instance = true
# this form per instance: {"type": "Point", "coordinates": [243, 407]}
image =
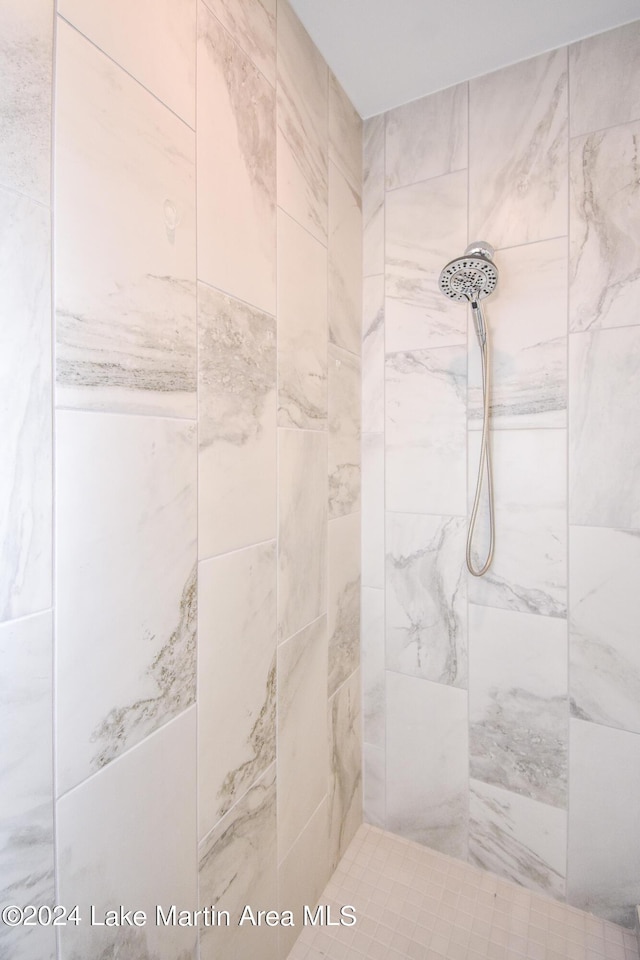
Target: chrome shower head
{"type": "Point", "coordinates": [472, 276]}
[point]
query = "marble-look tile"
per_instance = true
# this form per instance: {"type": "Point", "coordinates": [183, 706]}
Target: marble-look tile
{"type": "Point", "coordinates": [345, 767]}
{"type": "Point", "coordinates": [236, 677]}
{"type": "Point", "coordinates": [426, 435]}
{"type": "Point", "coordinates": [236, 169]}
{"type": "Point", "coordinates": [518, 702]}
{"type": "Point", "coordinates": [427, 763]}
{"type": "Point", "coordinates": [373, 355]}
{"type": "Point", "coordinates": [604, 452]}
{"type": "Point", "coordinates": [345, 262]}
{"type": "Point", "coordinates": [373, 666]}
{"type": "Point", "coordinates": [237, 428]}
{"type": "Point", "coordinates": [529, 569]}
{"type": "Point", "coordinates": [344, 432]}
{"type": "Point", "coordinates": [302, 327]}
{"type": "Point", "coordinates": [603, 637]}
{"type": "Point", "coordinates": [345, 135]}
{"type": "Point", "coordinates": [238, 866]}
{"type": "Point", "coordinates": [527, 321]}
{"type": "Point", "coordinates": [25, 414]}
{"type": "Point", "coordinates": [302, 875]}
{"type": "Point", "coordinates": [125, 502]}
{"type": "Point", "coordinates": [303, 81]}
{"type": "Point", "coordinates": [26, 781]}
{"type": "Point", "coordinates": [117, 844]}
{"type": "Point", "coordinates": [373, 510]}
{"type": "Point", "coordinates": [518, 838]}
{"type": "Point", "coordinates": [125, 294]}
{"type": "Point", "coordinates": [343, 599]}
{"type": "Point", "coordinates": [605, 79]}
{"type": "Point", "coordinates": [604, 827]}
{"type": "Point", "coordinates": [374, 791]}
{"type": "Point", "coordinates": [302, 730]}
{"type": "Point", "coordinates": [518, 152]}
{"type": "Point", "coordinates": [605, 245]}
{"type": "Point", "coordinates": [26, 51]}
{"type": "Point", "coordinates": [252, 24]}
{"type": "Point", "coordinates": [426, 226]}
{"type": "Point", "coordinates": [426, 597]}
{"type": "Point", "coordinates": [373, 196]}
{"type": "Point", "coordinates": [302, 529]}
{"type": "Point", "coordinates": [165, 63]}
{"type": "Point", "coordinates": [427, 138]}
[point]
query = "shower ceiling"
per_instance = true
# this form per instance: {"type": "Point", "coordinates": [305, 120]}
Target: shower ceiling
{"type": "Point", "coordinates": [387, 52]}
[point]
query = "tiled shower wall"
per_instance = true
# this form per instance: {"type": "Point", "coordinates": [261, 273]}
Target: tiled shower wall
{"type": "Point", "coordinates": [199, 649]}
{"type": "Point", "coordinates": [502, 714]}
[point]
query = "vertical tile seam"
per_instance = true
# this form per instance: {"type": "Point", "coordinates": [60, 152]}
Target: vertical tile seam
{"type": "Point", "coordinates": [384, 462]}
{"type": "Point", "coordinates": [198, 562]}
{"type": "Point", "coordinates": [466, 486]}
{"type": "Point", "coordinates": [567, 478]}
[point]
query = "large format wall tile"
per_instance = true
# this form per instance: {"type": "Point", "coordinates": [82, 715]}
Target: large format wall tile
{"type": "Point", "coordinates": [343, 599]}
{"type": "Point", "coordinates": [236, 677]}
{"type": "Point", "coordinates": [345, 135]}
{"type": "Point", "coordinates": [373, 667]}
{"type": "Point", "coordinates": [373, 355]}
{"type": "Point", "coordinates": [238, 867]}
{"type": "Point", "coordinates": [117, 844]}
{"type": "Point", "coordinates": [426, 431]}
{"type": "Point", "coordinates": [302, 730]}
{"type": "Point", "coordinates": [345, 262]}
{"type": "Point", "coordinates": [302, 529]}
{"type": "Point", "coordinates": [518, 152]}
{"type": "Point", "coordinates": [426, 226]}
{"type": "Point", "coordinates": [605, 244]}
{"type": "Point", "coordinates": [426, 612]}
{"type": "Point", "coordinates": [605, 79]}
{"type": "Point", "coordinates": [302, 327]}
{"type": "Point", "coordinates": [125, 241]}
{"type": "Point", "coordinates": [302, 875]}
{"type": "Point", "coordinates": [604, 614]}
{"type": "Point", "coordinates": [529, 570]}
{"type": "Point", "coordinates": [427, 138]}
{"type": "Point", "coordinates": [344, 432]}
{"type": "Point", "coordinates": [252, 24]}
{"type": "Point", "coordinates": [303, 79]}
{"type": "Point", "coordinates": [427, 765]}
{"type": "Point", "coordinates": [373, 196]}
{"type": "Point", "coordinates": [126, 583]}
{"type": "Point", "coordinates": [237, 434]}
{"type": "Point", "coordinates": [373, 785]}
{"type": "Point", "coordinates": [604, 827]}
{"type": "Point", "coordinates": [25, 415]}
{"type": "Point", "coordinates": [236, 169]}
{"type": "Point", "coordinates": [345, 767]}
{"type": "Point", "coordinates": [604, 453]}
{"type": "Point", "coordinates": [26, 50]}
{"type": "Point", "coordinates": [26, 781]}
{"type": "Point", "coordinates": [518, 707]}
{"type": "Point", "coordinates": [518, 838]}
{"type": "Point", "coordinates": [165, 63]}
{"type": "Point", "coordinates": [527, 321]}
{"type": "Point", "coordinates": [373, 510]}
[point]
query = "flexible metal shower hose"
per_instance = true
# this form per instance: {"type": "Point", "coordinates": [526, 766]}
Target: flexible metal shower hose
{"type": "Point", "coordinates": [484, 465]}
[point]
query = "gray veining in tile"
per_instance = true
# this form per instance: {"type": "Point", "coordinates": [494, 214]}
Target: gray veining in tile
{"type": "Point", "coordinates": [345, 766]}
{"type": "Point", "coordinates": [605, 79]}
{"type": "Point", "coordinates": [125, 294]}
{"type": "Point", "coordinates": [25, 413]}
{"type": "Point", "coordinates": [237, 432]}
{"type": "Point", "coordinates": [26, 781]}
{"type": "Point", "coordinates": [345, 262]}
{"type": "Point", "coordinates": [373, 196]}
{"type": "Point", "coordinates": [345, 135]}
{"type": "Point", "coordinates": [252, 24]}
{"type": "Point", "coordinates": [605, 244]}
{"type": "Point", "coordinates": [236, 169]}
{"type": "Point", "coordinates": [427, 138]}
{"type": "Point", "coordinates": [373, 510]}
{"type": "Point", "coordinates": [518, 152]}
{"type": "Point", "coordinates": [344, 599]}
{"type": "Point", "coordinates": [236, 677]}
{"type": "Point", "coordinates": [426, 597]}
{"type": "Point", "coordinates": [373, 666]}
{"type": "Point", "coordinates": [518, 702]}
{"type": "Point", "coordinates": [373, 355]}
{"type": "Point", "coordinates": [518, 838]}
{"type": "Point", "coordinates": [344, 432]}
{"type": "Point", "coordinates": [604, 614]}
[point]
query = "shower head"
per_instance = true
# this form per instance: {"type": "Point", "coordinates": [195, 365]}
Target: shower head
{"type": "Point", "coordinates": [472, 276]}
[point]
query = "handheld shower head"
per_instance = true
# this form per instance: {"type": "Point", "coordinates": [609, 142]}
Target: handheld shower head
{"type": "Point", "coordinates": [472, 276]}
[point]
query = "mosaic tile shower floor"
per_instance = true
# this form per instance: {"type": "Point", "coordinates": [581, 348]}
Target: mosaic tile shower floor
{"type": "Point", "coordinates": [415, 904]}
